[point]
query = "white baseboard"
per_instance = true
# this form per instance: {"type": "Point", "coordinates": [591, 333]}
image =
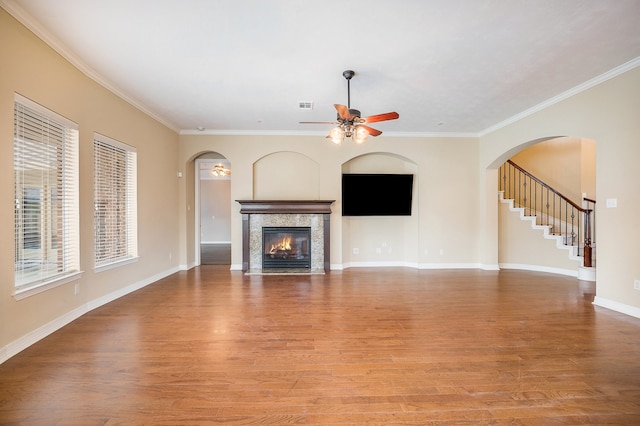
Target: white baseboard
{"type": "Point", "coordinates": [389, 264]}
{"type": "Point", "coordinates": [96, 303]}
{"type": "Point", "coordinates": [490, 267]}
{"type": "Point", "coordinates": [40, 333]}
{"type": "Point", "coordinates": [402, 264]}
{"type": "Point", "coordinates": [587, 274]}
{"type": "Point", "coordinates": [449, 266]}
{"type": "Point", "coordinates": [187, 267]}
{"type": "Point", "coordinates": [538, 268]}
{"type": "Point", "coordinates": [617, 306]}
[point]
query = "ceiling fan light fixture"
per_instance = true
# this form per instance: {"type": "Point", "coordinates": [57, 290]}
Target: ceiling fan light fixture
{"type": "Point", "coordinates": [219, 170]}
{"type": "Point", "coordinates": [336, 135]}
{"type": "Point", "coordinates": [361, 134]}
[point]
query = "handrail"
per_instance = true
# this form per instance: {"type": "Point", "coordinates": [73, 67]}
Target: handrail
{"type": "Point", "coordinates": [567, 199]}
{"type": "Point", "coordinates": [563, 216]}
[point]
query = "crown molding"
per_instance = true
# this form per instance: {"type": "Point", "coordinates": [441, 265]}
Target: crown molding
{"type": "Point", "coordinates": [35, 27]}
{"type": "Point", "coordinates": [318, 133]}
{"type": "Point", "coordinates": [634, 63]}
{"type": "Point", "coordinates": [432, 134]}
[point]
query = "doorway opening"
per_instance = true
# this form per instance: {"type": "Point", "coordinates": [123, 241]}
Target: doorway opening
{"type": "Point", "coordinates": [213, 210]}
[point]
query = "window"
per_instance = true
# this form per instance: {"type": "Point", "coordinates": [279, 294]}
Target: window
{"type": "Point", "coordinates": [45, 166]}
{"type": "Point", "coordinates": [115, 216]}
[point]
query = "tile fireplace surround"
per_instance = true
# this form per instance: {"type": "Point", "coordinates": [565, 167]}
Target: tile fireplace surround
{"type": "Point", "coordinates": [257, 214]}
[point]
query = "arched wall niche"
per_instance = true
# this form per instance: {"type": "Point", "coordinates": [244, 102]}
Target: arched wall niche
{"type": "Point", "coordinates": [381, 240]}
{"type": "Point", "coordinates": [379, 162]}
{"type": "Point", "coordinates": [286, 175]}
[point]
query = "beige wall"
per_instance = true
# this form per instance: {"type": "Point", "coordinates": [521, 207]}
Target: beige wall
{"type": "Point", "coordinates": [588, 169]}
{"type": "Point", "coordinates": [286, 175]}
{"type": "Point", "coordinates": [443, 231]}
{"type": "Point", "coordinates": [607, 114]}
{"type": "Point", "coordinates": [29, 67]}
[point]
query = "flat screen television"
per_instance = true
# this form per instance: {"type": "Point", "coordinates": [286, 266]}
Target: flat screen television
{"type": "Point", "coordinates": [371, 194]}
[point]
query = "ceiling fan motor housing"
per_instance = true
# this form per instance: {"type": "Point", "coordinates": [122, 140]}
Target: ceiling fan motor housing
{"type": "Point", "coordinates": [354, 113]}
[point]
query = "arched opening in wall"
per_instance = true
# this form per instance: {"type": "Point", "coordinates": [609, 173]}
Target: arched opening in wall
{"type": "Point", "coordinates": [550, 184]}
{"type": "Point", "coordinates": [212, 209]}
{"type": "Point", "coordinates": [390, 239]}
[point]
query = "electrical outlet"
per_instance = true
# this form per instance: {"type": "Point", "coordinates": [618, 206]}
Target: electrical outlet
{"type": "Point", "coordinates": [441, 252]}
{"type": "Point", "coordinates": [356, 250]}
{"type": "Point", "coordinates": [636, 284]}
{"type": "Point", "coordinates": [76, 289]}
{"type": "Point", "coordinates": [378, 250]}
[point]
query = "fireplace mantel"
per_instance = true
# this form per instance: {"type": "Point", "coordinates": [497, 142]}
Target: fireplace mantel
{"type": "Point", "coordinates": [249, 208]}
{"type": "Point", "coordinates": [285, 206]}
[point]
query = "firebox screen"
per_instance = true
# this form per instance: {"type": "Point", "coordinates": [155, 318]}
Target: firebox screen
{"type": "Point", "coordinates": [286, 247]}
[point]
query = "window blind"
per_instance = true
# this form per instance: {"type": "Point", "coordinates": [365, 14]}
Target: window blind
{"type": "Point", "coordinates": [45, 163]}
{"type": "Point", "coordinates": [115, 201]}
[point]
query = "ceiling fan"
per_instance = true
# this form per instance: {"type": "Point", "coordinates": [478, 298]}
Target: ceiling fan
{"type": "Point", "coordinates": [220, 170]}
{"type": "Point", "coordinates": [349, 123]}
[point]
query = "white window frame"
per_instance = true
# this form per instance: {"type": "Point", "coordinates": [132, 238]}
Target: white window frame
{"type": "Point", "coordinates": [47, 243]}
{"type": "Point", "coordinates": [115, 220]}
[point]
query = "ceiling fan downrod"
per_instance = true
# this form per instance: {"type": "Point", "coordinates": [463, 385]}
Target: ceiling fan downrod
{"type": "Point", "coordinates": [348, 74]}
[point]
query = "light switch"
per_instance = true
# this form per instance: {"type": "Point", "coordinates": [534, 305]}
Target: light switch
{"type": "Point", "coordinates": [612, 203]}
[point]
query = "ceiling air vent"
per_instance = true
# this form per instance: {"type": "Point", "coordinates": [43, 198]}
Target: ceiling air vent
{"type": "Point", "coordinates": [305, 105]}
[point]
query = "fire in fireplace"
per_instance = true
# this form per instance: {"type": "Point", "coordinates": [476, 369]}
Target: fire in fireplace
{"type": "Point", "coordinates": [286, 247]}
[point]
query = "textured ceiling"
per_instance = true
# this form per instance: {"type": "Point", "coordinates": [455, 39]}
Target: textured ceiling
{"type": "Point", "coordinates": [242, 66]}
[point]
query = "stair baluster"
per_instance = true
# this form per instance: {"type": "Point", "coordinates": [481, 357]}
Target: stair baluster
{"type": "Point", "coordinates": [564, 217]}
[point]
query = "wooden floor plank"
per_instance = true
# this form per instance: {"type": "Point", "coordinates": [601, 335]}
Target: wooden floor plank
{"type": "Point", "coordinates": [361, 346]}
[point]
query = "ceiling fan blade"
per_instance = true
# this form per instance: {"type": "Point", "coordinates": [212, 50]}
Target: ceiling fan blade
{"type": "Point", "coordinates": [371, 130]}
{"type": "Point", "coordinates": [343, 111]}
{"type": "Point", "coordinates": [381, 117]}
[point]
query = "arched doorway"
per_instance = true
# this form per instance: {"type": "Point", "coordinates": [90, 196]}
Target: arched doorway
{"type": "Point", "coordinates": [549, 173]}
{"type": "Point", "coordinates": [212, 209]}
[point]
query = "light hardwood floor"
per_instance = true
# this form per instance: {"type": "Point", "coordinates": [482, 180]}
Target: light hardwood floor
{"type": "Point", "coordinates": [363, 346]}
{"type": "Point", "coordinates": [215, 254]}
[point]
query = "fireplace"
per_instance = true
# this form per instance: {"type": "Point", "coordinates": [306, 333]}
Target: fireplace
{"type": "Point", "coordinates": [306, 221]}
{"type": "Point", "coordinates": [286, 247]}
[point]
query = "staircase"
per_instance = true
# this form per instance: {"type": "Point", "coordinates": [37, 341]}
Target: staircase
{"type": "Point", "coordinates": [555, 218]}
